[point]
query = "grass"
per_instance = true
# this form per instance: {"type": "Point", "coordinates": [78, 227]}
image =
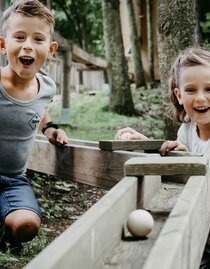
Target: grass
{"type": "Point", "coordinates": [90, 120]}
{"type": "Point", "coordinates": [31, 249]}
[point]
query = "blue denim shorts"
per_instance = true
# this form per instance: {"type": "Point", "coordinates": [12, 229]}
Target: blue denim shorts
{"type": "Point", "coordinates": [16, 193]}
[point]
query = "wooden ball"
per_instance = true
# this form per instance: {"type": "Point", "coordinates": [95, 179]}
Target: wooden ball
{"type": "Point", "coordinates": [140, 223]}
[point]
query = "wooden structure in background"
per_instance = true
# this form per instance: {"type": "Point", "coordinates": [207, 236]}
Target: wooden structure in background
{"type": "Point", "coordinates": [141, 12]}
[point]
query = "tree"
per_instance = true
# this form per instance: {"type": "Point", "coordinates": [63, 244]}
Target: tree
{"type": "Point", "coordinates": [135, 47]}
{"type": "Point", "coordinates": [81, 22]}
{"type": "Point", "coordinates": [149, 6]}
{"type": "Point", "coordinates": [176, 31]}
{"type": "Point", "coordinates": [120, 96]}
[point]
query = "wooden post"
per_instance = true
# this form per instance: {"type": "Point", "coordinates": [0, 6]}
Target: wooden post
{"type": "Point", "coordinates": [65, 110]}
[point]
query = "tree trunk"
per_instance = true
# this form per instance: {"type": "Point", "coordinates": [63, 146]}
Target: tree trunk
{"type": "Point", "coordinates": [135, 47]}
{"type": "Point", "coordinates": [176, 31]}
{"type": "Point", "coordinates": [150, 42]}
{"type": "Point", "coordinates": [120, 95]}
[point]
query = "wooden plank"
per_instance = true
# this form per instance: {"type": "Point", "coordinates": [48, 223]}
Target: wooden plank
{"type": "Point", "coordinates": [164, 199]}
{"type": "Point", "coordinates": [183, 154]}
{"type": "Point", "coordinates": [73, 141]}
{"type": "Point", "coordinates": [81, 56]}
{"type": "Point", "coordinates": [166, 166]}
{"type": "Point", "coordinates": [85, 244]}
{"type": "Point", "coordinates": [81, 163]}
{"type": "Point", "coordinates": [131, 252]}
{"type": "Point", "coordinates": [151, 145]}
{"type": "Point", "coordinates": [182, 239]}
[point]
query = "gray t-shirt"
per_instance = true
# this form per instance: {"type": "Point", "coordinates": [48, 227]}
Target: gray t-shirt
{"type": "Point", "coordinates": [187, 135]}
{"type": "Point", "coordinates": [19, 122]}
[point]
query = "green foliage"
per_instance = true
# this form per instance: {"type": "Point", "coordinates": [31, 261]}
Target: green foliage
{"type": "Point", "coordinates": [81, 22]}
{"type": "Point", "coordinates": [90, 120]}
{"type": "Point", "coordinates": [205, 26]}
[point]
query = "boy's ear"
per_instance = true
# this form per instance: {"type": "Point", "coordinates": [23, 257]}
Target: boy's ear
{"type": "Point", "coordinates": [2, 45]}
{"type": "Point", "coordinates": [53, 49]}
{"type": "Point", "coordinates": [178, 95]}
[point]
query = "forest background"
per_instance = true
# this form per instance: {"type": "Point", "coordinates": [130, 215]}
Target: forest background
{"type": "Point", "coordinates": [95, 26]}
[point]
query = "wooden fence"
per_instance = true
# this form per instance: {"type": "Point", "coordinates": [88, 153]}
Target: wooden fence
{"type": "Point", "coordinates": [81, 79]}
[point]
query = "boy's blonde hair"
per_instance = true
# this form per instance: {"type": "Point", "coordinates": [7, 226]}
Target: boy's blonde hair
{"type": "Point", "coordinates": [28, 8]}
{"type": "Point", "coordinates": [187, 58]}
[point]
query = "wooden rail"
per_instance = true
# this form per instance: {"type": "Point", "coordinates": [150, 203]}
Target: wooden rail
{"type": "Point", "coordinates": [99, 239]}
{"type": "Point", "coordinates": [81, 161]}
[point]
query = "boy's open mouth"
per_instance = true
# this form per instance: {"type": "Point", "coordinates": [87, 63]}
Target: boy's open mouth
{"type": "Point", "coordinates": [25, 60]}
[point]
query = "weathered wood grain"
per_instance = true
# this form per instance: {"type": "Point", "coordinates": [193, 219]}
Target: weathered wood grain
{"type": "Point", "coordinates": [85, 244]}
{"type": "Point", "coordinates": [165, 198]}
{"type": "Point", "coordinates": [86, 164]}
{"type": "Point", "coordinates": [145, 145]}
{"type": "Point", "coordinates": [166, 166]}
{"type": "Point", "coordinates": [131, 252]}
{"type": "Point", "coordinates": [182, 239]}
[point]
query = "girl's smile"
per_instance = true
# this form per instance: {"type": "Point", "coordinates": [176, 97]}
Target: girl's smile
{"type": "Point", "coordinates": [194, 94]}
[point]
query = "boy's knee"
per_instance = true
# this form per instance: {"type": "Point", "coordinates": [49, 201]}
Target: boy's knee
{"type": "Point", "coordinates": [25, 231]}
{"type": "Point", "coordinates": [23, 227]}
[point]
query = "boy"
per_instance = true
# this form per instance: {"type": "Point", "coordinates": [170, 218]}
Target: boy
{"type": "Point", "coordinates": [27, 27]}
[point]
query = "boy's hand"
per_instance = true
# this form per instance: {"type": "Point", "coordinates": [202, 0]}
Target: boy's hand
{"type": "Point", "coordinates": [172, 145]}
{"type": "Point", "coordinates": [56, 136]}
{"type": "Point", "coordinates": [134, 135]}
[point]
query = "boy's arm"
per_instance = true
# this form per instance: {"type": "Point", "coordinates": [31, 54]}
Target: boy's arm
{"type": "Point", "coordinates": [55, 135]}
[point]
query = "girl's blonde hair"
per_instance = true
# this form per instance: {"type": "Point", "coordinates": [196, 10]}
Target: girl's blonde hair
{"type": "Point", "coordinates": [187, 58]}
{"type": "Point", "coordinates": [28, 8]}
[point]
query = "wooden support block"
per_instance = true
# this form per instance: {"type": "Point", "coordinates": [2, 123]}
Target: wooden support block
{"type": "Point", "coordinates": [163, 201]}
{"type": "Point", "coordinates": [150, 186]}
{"type": "Point", "coordinates": [85, 244]}
{"type": "Point", "coordinates": [166, 166]}
{"type": "Point", "coordinates": [182, 238]}
{"type": "Point", "coordinates": [75, 161]}
{"type": "Point", "coordinates": [145, 145]}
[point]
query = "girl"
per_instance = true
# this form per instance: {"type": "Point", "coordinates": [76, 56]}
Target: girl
{"type": "Point", "coordinates": [189, 87]}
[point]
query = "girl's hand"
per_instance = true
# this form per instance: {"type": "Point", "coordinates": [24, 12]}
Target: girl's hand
{"type": "Point", "coordinates": [56, 136]}
{"type": "Point", "coordinates": [131, 133]}
{"type": "Point", "coordinates": [172, 145]}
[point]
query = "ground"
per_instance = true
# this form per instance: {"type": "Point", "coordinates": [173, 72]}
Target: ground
{"type": "Point", "coordinates": [62, 202]}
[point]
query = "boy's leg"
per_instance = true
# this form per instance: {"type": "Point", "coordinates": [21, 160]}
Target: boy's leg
{"type": "Point", "coordinates": [19, 210]}
{"type": "Point", "coordinates": [21, 226]}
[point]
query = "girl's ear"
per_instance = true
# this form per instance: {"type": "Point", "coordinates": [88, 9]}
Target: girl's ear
{"type": "Point", "coordinates": [2, 45]}
{"type": "Point", "coordinates": [53, 49]}
{"type": "Point", "coordinates": [178, 95]}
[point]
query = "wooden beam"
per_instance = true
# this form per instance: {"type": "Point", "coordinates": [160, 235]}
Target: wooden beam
{"type": "Point", "coordinates": [81, 56]}
{"type": "Point", "coordinates": [151, 145]}
{"type": "Point", "coordinates": [166, 166]}
{"type": "Point", "coordinates": [75, 161]}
